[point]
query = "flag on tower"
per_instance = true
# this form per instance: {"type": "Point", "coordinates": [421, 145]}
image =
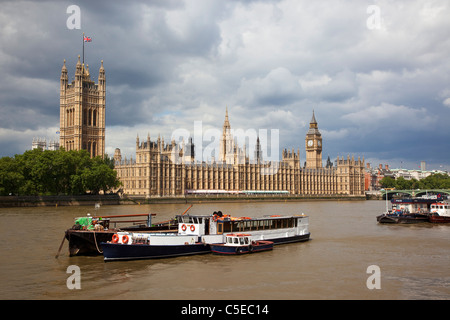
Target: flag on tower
{"type": "Point", "coordinates": [87, 39]}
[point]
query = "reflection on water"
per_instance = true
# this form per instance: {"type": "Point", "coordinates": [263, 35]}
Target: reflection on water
{"type": "Point", "coordinates": [345, 240]}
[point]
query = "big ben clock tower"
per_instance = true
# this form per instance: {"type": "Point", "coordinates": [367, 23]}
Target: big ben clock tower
{"type": "Point", "coordinates": [313, 145]}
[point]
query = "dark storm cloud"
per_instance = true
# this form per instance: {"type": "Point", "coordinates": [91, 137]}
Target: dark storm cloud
{"type": "Point", "coordinates": [379, 92]}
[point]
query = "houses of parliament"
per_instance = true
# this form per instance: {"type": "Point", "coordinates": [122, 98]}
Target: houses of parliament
{"type": "Point", "coordinates": [156, 173]}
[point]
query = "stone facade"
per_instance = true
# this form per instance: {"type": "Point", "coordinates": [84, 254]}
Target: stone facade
{"type": "Point", "coordinates": [82, 111]}
{"type": "Point", "coordinates": [161, 170]}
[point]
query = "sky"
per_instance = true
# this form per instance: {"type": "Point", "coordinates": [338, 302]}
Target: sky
{"type": "Point", "coordinates": [375, 73]}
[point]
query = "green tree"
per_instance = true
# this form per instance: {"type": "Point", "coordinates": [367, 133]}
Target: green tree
{"type": "Point", "coordinates": [387, 182]}
{"type": "Point", "coordinates": [99, 177]}
{"type": "Point", "coordinates": [11, 179]}
{"type": "Point", "coordinates": [402, 184]}
{"type": "Point", "coordinates": [56, 172]}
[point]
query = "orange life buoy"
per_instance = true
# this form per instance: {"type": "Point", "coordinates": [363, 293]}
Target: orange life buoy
{"type": "Point", "coordinates": [192, 228]}
{"type": "Point", "coordinates": [115, 238]}
{"type": "Point", "coordinates": [183, 227]}
{"type": "Point", "coordinates": [125, 239]}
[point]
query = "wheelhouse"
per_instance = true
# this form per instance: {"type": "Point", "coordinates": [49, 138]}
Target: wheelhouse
{"type": "Point", "coordinates": [237, 239]}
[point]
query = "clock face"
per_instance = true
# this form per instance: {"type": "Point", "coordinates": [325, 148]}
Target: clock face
{"type": "Point", "coordinates": [310, 143]}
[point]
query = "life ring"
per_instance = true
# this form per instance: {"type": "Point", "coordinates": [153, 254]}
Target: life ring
{"type": "Point", "coordinates": [115, 238]}
{"type": "Point", "coordinates": [192, 228]}
{"type": "Point", "coordinates": [183, 227]}
{"type": "Point", "coordinates": [125, 239]}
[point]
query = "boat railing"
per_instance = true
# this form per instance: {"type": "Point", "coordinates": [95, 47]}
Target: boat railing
{"type": "Point", "coordinates": [116, 220]}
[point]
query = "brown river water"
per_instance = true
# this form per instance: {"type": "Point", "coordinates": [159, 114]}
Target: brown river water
{"type": "Point", "coordinates": [413, 260]}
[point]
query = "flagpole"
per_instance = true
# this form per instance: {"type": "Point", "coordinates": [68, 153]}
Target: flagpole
{"type": "Point", "coordinates": [83, 48]}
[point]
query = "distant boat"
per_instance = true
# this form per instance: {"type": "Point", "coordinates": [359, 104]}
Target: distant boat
{"type": "Point", "coordinates": [408, 210]}
{"type": "Point", "coordinates": [440, 213]}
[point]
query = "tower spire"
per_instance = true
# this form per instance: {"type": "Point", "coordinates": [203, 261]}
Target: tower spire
{"type": "Point", "coordinates": [313, 119]}
{"type": "Point", "coordinates": [226, 123]}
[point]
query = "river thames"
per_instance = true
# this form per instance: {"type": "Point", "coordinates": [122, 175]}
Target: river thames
{"type": "Point", "coordinates": [413, 260]}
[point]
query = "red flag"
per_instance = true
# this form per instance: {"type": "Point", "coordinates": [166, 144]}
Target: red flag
{"type": "Point", "coordinates": [87, 39]}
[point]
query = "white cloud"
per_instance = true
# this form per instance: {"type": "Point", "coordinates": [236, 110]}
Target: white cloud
{"type": "Point", "coordinates": [447, 102]}
{"type": "Point", "coordinates": [392, 118]}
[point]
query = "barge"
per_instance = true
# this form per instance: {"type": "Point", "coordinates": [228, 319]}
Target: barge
{"type": "Point", "coordinates": [196, 234]}
{"type": "Point", "coordinates": [88, 232]}
{"type": "Point", "coordinates": [409, 210]}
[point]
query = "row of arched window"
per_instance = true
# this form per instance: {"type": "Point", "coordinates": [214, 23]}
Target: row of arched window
{"type": "Point", "coordinates": [90, 117]}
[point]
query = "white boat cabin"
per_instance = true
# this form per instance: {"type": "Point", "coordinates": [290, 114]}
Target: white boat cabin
{"type": "Point", "coordinates": [214, 229]}
{"type": "Point", "coordinates": [216, 225]}
{"type": "Point", "coordinates": [240, 239]}
{"type": "Point", "coordinates": [442, 209]}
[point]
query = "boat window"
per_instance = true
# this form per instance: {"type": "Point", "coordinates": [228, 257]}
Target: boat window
{"type": "Point", "coordinates": [226, 226]}
{"type": "Point", "coordinates": [186, 219]}
{"type": "Point", "coordinates": [229, 240]}
{"type": "Point", "coordinates": [264, 224]}
{"type": "Point", "coordinates": [234, 226]}
{"type": "Point", "coordinates": [442, 207]}
{"type": "Point", "coordinates": [246, 240]}
{"type": "Point", "coordinates": [241, 240]}
{"type": "Point", "coordinates": [236, 240]}
{"type": "Point", "coordinates": [278, 223]}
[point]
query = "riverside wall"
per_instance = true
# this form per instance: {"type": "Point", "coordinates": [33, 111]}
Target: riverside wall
{"type": "Point", "coordinates": [92, 200]}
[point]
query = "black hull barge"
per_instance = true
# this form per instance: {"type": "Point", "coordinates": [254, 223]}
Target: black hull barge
{"type": "Point", "coordinates": [402, 218]}
{"type": "Point", "coordinates": [408, 210]}
{"type": "Point", "coordinates": [88, 232]}
{"type": "Point", "coordinates": [196, 234]}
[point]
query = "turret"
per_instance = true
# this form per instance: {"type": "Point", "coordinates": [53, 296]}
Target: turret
{"type": "Point", "coordinates": [101, 78]}
{"type": "Point", "coordinates": [64, 76]}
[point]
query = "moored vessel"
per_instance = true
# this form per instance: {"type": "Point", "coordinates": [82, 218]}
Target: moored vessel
{"type": "Point", "coordinates": [240, 243]}
{"type": "Point", "coordinates": [404, 218]}
{"type": "Point", "coordinates": [88, 232]}
{"type": "Point", "coordinates": [440, 213]}
{"type": "Point", "coordinates": [408, 210]}
{"type": "Point", "coordinates": [196, 234]}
